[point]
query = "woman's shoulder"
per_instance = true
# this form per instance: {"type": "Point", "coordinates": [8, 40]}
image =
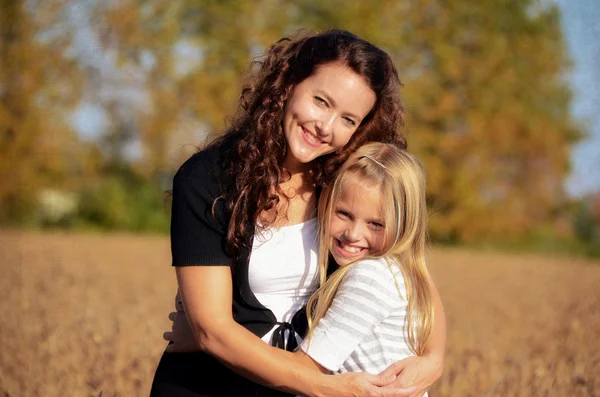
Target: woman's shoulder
{"type": "Point", "coordinates": [201, 163]}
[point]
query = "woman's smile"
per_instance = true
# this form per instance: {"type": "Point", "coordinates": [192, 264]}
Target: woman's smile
{"type": "Point", "coordinates": [311, 139]}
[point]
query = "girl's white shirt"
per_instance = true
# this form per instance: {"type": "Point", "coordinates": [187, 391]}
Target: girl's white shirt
{"type": "Point", "coordinates": [283, 269]}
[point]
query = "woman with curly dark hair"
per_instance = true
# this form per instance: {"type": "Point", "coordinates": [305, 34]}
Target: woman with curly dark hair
{"type": "Point", "coordinates": [244, 230]}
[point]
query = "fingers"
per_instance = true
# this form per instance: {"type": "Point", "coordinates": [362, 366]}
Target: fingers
{"type": "Point", "coordinates": [398, 392]}
{"type": "Point", "coordinates": [381, 380]}
{"type": "Point", "coordinates": [407, 378]}
{"type": "Point", "coordinates": [173, 316]}
{"type": "Point", "coordinates": [178, 302]}
{"type": "Point", "coordinates": [172, 348]}
{"type": "Point", "coordinates": [395, 368]}
{"type": "Point", "coordinates": [169, 336]}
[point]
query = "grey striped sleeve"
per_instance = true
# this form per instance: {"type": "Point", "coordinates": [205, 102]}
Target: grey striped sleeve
{"type": "Point", "coordinates": [366, 296]}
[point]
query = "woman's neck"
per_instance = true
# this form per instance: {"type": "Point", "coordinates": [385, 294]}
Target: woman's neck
{"type": "Point", "coordinates": [294, 167]}
{"type": "Point", "coordinates": [297, 203]}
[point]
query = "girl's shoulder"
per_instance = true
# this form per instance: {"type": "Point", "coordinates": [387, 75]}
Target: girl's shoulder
{"type": "Point", "coordinates": [383, 265]}
{"type": "Point", "coordinates": [381, 275]}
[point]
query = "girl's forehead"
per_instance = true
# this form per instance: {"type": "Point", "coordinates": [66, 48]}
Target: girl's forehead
{"type": "Point", "coordinates": [354, 181]}
{"type": "Point", "coordinates": [360, 189]}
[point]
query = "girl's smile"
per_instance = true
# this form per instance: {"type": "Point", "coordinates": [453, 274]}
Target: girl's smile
{"type": "Point", "coordinates": [356, 227]}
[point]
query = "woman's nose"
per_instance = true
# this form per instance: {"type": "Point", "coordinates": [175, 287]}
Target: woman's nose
{"type": "Point", "coordinates": [325, 124]}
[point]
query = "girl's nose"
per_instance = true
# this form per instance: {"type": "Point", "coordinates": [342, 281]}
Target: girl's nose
{"type": "Point", "coordinates": [352, 233]}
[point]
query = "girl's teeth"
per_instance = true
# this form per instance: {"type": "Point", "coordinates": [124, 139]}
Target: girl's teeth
{"type": "Point", "coordinates": [353, 250]}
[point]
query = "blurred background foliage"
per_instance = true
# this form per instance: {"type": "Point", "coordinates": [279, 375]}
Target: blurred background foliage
{"type": "Point", "coordinates": [101, 101]}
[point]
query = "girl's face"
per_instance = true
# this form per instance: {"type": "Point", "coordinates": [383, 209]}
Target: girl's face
{"type": "Point", "coordinates": [323, 113]}
{"type": "Point", "coordinates": [357, 227]}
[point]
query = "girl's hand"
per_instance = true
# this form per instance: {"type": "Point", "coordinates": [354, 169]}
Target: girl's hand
{"type": "Point", "coordinates": [418, 371]}
{"type": "Point", "coordinates": [181, 336]}
{"type": "Point", "coordinates": [368, 385]}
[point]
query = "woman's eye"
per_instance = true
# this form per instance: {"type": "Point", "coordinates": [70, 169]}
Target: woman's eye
{"type": "Point", "coordinates": [350, 122]}
{"type": "Point", "coordinates": [320, 100]}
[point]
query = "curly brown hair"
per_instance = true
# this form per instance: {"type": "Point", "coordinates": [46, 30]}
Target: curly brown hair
{"type": "Point", "coordinates": [254, 145]}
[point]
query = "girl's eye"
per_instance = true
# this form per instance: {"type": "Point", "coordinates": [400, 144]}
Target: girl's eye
{"type": "Point", "coordinates": [349, 121]}
{"type": "Point", "coordinates": [342, 214]}
{"type": "Point", "coordinates": [377, 226]}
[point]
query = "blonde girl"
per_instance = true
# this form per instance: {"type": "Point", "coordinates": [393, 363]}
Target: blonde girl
{"type": "Point", "coordinates": [378, 307]}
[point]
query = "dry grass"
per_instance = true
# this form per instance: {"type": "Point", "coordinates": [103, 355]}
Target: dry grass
{"type": "Point", "coordinates": [83, 314]}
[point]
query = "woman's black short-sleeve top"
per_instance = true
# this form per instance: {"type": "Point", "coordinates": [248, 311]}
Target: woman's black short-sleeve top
{"type": "Point", "coordinates": [199, 229]}
{"type": "Point", "coordinates": [198, 238]}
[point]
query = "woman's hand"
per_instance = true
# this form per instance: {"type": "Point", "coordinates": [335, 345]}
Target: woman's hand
{"type": "Point", "coordinates": [418, 371]}
{"type": "Point", "coordinates": [181, 336]}
{"type": "Point", "coordinates": [368, 385]}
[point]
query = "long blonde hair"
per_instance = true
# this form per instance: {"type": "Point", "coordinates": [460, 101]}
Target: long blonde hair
{"type": "Point", "coordinates": [401, 179]}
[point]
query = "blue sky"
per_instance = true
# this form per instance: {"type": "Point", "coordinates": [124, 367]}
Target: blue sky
{"type": "Point", "coordinates": [581, 27]}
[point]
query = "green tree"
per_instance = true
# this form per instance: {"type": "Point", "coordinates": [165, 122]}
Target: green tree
{"type": "Point", "coordinates": [487, 105]}
{"type": "Point", "coordinates": [37, 86]}
{"type": "Point", "coordinates": [199, 52]}
{"type": "Point", "coordinates": [21, 144]}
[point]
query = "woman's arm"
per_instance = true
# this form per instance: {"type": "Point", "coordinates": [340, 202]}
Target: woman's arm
{"type": "Point", "coordinates": [436, 346]}
{"type": "Point", "coordinates": [423, 371]}
{"type": "Point", "coordinates": [304, 359]}
{"type": "Point", "coordinates": [197, 233]}
{"type": "Point", "coordinates": [207, 292]}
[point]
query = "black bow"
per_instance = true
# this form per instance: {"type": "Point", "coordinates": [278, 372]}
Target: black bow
{"type": "Point", "coordinates": [298, 326]}
{"type": "Point", "coordinates": [279, 340]}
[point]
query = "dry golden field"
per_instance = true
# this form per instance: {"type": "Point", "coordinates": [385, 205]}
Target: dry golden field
{"type": "Point", "coordinates": [84, 314]}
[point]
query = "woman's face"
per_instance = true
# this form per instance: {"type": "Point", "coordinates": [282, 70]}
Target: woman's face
{"type": "Point", "coordinates": [356, 226]}
{"type": "Point", "coordinates": [323, 112]}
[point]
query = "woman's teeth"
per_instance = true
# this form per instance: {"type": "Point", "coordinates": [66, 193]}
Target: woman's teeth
{"type": "Point", "coordinates": [312, 138]}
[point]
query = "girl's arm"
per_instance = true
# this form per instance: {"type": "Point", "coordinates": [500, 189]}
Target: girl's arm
{"type": "Point", "coordinates": [180, 338]}
{"type": "Point", "coordinates": [207, 292]}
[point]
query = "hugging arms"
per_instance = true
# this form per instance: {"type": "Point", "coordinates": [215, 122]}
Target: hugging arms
{"type": "Point", "coordinates": [313, 102]}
